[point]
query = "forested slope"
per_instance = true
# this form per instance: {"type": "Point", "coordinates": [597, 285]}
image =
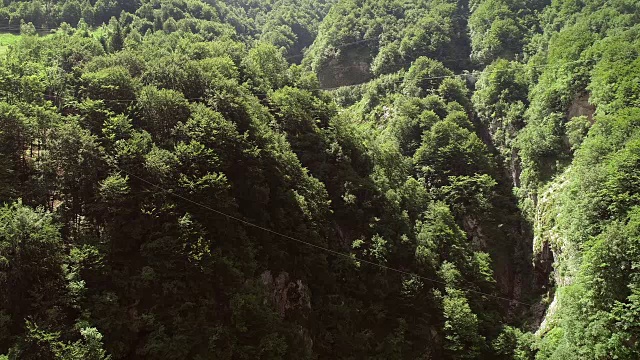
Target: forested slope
{"type": "Point", "coordinates": [179, 182]}
{"type": "Point", "coordinates": [566, 122]}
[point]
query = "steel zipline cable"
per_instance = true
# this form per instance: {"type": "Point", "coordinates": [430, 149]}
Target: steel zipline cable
{"type": "Point", "coordinates": [319, 247]}
{"type": "Point", "coordinates": [465, 74]}
{"type": "Point", "coordinates": [300, 241]}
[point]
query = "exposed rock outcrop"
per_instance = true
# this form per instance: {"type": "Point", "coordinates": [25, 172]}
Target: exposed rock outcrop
{"type": "Point", "coordinates": [349, 66]}
{"type": "Point", "coordinates": [580, 106]}
{"type": "Point", "coordinates": [292, 300]}
{"type": "Point", "coordinates": [287, 295]}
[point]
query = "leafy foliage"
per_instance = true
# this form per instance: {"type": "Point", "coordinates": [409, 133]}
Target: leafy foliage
{"type": "Point", "coordinates": [135, 134]}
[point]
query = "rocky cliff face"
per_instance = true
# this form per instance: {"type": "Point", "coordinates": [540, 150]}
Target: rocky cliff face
{"type": "Point", "coordinates": [349, 66]}
{"type": "Point", "coordinates": [290, 297]}
{"type": "Point", "coordinates": [551, 252]}
{"type": "Point", "coordinates": [292, 300]}
{"type": "Point", "coordinates": [581, 107]}
{"type": "Point", "coordinates": [517, 275]}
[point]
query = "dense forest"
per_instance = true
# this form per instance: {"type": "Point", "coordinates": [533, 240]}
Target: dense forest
{"type": "Point", "coordinates": [334, 179]}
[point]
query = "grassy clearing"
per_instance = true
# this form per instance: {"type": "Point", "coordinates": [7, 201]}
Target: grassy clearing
{"type": "Point", "coordinates": [7, 39]}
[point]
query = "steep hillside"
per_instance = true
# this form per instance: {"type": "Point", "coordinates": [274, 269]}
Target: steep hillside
{"type": "Point", "coordinates": [362, 39]}
{"type": "Point", "coordinates": [289, 25]}
{"type": "Point", "coordinates": [570, 141]}
{"type": "Point", "coordinates": [175, 189]}
{"type": "Point", "coordinates": [351, 179]}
